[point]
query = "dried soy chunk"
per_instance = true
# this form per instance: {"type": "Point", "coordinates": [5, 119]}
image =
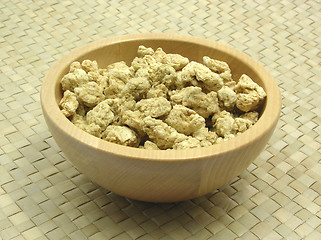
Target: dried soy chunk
{"type": "Point", "coordinates": [150, 145]}
{"type": "Point", "coordinates": [249, 94]}
{"type": "Point", "coordinates": [90, 94]}
{"type": "Point", "coordinates": [221, 68]}
{"type": "Point", "coordinates": [252, 116]}
{"type": "Point", "coordinates": [120, 71]}
{"type": "Point", "coordinates": [247, 101]}
{"type": "Point", "coordinates": [227, 98]}
{"type": "Point", "coordinates": [136, 88]}
{"type": "Point", "coordinates": [125, 104]}
{"type": "Point", "coordinates": [117, 105]}
{"type": "Point", "coordinates": [114, 88]}
{"type": "Point", "coordinates": [216, 65]}
{"type": "Point", "coordinates": [187, 76]}
{"type": "Point", "coordinates": [74, 65]}
{"type": "Point", "coordinates": [89, 66]}
{"type": "Point", "coordinates": [211, 81]}
{"type": "Point", "coordinates": [133, 119]}
{"type": "Point", "coordinates": [151, 61]}
{"type": "Point", "coordinates": [142, 51]}
{"type": "Point", "coordinates": [138, 63]}
{"type": "Point", "coordinates": [175, 60]}
{"type": "Point", "coordinates": [164, 74]}
{"type": "Point", "coordinates": [246, 120]}
{"type": "Point", "coordinates": [184, 120]}
{"type": "Point", "coordinates": [159, 54]}
{"type": "Point", "coordinates": [148, 62]}
{"type": "Point", "coordinates": [119, 74]}
{"type": "Point", "coordinates": [224, 124]}
{"type": "Point", "coordinates": [187, 143]}
{"type": "Point", "coordinates": [206, 137]}
{"type": "Point", "coordinates": [157, 90]}
{"type": "Point", "coordinates": [154, 107]}
{"type": "Point", "coordinates": [78, 120]}
{"type": "Point", "coordinates": [82, 110]}
{"type": "Point", "coordinates": [193, 97]}
{"type": "Point", "coordinates": [74, 79]}
{"type": "Point", "coordinates": [69, 103]}
{"type": "Point", "coordinates": [199, 75]}
{"type": "Point", "coordinates": [142, 72]}
{"type": "Point", "coordinates": [242, 124]}
{"type": "Point", "coordinates": [160, 133]}
{"type": "Point", "coordinates": [101, 80]}
{"type": "Point", "coordinates": [103, 72]}
{"type": "Point", "coordinates": [212, 101]}
{"type": "Point", "coordinates": [121, 135]}
{"type": "Point", "coordinates": [82, 123]}
{"type": "Point", "coordinates": [244, 84]}
{"type": "Point", "coordinates": [227, 124]}
{"type": "Point", "coordinates": [102, 115]}
{"type": "Point", "coordinates": [224, 139]}
{"type": "Point", "coordinates": [92, 129]}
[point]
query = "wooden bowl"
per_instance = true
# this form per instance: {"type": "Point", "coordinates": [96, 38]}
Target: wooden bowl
{"type": "Point", "coordinates": [158, 175]}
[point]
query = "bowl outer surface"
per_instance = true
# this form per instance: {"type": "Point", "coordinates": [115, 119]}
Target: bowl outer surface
{"type": "Point", "coordinates": [151, 175]}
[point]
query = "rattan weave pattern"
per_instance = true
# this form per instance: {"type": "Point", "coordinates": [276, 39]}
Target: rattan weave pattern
{"type": "Point", "coordinates": [42, 196]}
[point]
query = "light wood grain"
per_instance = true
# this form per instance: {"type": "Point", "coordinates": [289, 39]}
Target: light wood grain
{"type": "Point", "coordinates": [152, 175]}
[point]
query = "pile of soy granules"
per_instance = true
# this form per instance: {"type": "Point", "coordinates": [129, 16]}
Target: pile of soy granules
{"type": "Point", "coordinates": [161, 101]}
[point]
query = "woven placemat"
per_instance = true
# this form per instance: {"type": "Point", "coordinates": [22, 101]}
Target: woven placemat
{"type": "Point", "coordinates": [43, 196]}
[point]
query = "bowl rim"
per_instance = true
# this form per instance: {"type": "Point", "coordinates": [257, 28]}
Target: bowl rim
{"type": "Point", "coordinates": [267, 120]}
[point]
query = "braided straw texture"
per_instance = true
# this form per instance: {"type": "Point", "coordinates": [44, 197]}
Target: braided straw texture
{"type": "Point", "coordinates": [43, 196]}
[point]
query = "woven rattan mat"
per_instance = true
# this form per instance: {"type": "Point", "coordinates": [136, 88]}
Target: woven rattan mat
{"type": "Point", "coordinates": [42, 196]}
